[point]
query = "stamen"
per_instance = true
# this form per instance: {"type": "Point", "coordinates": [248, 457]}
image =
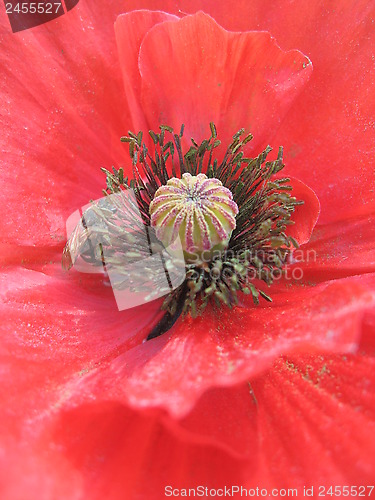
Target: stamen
{"type": "Point", "coordinates": [232, 221]}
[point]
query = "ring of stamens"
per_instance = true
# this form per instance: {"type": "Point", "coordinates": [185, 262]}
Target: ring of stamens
{"type": "Point", "coordinates": [236, 213]}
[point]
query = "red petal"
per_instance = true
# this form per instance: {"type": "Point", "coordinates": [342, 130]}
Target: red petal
{"type": "Point", "coordinates": [175, 369]}
{"type": "Point", "coordinates": [340, 249]}
{"type": "Point", "coordinates": [55, 328]}
{"type": "Point", "coordinates": [367, 343]}
{"type": "Point", "coordinates": [330, 126]}
{"type": "Point", "coordinates": [130, 30]}
{"type": "Point", "coordinates": [305, 216]}
{"type": "Point", "coordinates": [324, 405]}
{"type": "Point", "coordinates": [62, 112]}
{"type": "Point", "coordinates": [124, 454]}
{"type": "Point", "coordinates": [29, 470]}
{"type": "Point", "coordinates": [67, 335]}
{"type": "Point", "coordinates": [320, 403]}
{"type": "Point", "coordinates": [224, 417]}
{"type": "Point", "coordinates": [201, 73]}
{"type": "Point", "coordinates": [238, 19]}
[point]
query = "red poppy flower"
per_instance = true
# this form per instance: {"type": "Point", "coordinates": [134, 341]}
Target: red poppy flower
{"type": "Point", "coordinates": [88, 409]}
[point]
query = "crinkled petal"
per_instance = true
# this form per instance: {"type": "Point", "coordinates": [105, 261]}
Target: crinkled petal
{"type": "Point", "coordinates": [55, 328]}
{"type": "Point", "coordinates": [322, 404]}
{"type": "Point", "coordinates": [72, 345]}
{"type": "Point", "coordinates": [108, 451]}
{"type": "Point", "coordinates": [226, 348]}
{"type": "Point", "coordinates": [130, 30]}
{"type": "Point", "coordinates": [339, 249]}
{"type": "Point", "coordinates": [201, 73]}
{"type": "Point", "coordinates": [224, 417]}
{"type": "Point", "coordinates": [330, 127]}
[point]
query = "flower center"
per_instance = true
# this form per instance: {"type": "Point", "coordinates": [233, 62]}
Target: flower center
{"type": "Point", "coordinates": [232, 222]}
{"type": "Point", "coordinates": [199, 210]}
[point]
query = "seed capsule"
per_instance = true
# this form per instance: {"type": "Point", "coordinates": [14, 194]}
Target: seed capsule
{"type": "Point", "coordinates": [198, 209]}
